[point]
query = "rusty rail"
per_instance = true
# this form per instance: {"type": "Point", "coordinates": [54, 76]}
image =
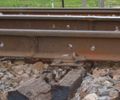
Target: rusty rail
{"type": "Point", "coordinates": [60, 22]}
{"type": "Point", "coordinates": [54, 44]}
{"type": "Point", "coordinates": [63, 11]}
{"type": "Point", "coordinates": [60, 36]}
{"type": "Point", "coordinates": [59, 33]}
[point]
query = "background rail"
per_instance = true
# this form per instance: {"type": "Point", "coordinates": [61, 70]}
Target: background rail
{"type": "Point", "coordinates": [63, 11]}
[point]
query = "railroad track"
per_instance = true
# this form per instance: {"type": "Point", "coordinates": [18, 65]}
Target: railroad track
{"type": "Point", "coordinates": [60, 37]}
{"type": "Point", "coordinates": [58, 11]}
{"type": "Point", "coordinates": [69, 42]}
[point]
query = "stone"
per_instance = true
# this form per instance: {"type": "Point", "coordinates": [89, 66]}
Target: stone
{"type": "Point", "coordinates": [48, 77]}
{"type": "Point", "coordinates": [116, 73]}
{"type": "Point", "coordinates": [46, 66]}
{"type": "Point", "coordinates": [46, 96]}
{"type": "Point", "coordinates": [117, 86]}
{"type": "Point", "coordinates": [28, 70]}
{"type": "Point", "coordinates": [30, 90]}
{"type": "Point", "coordinates": [3, 96]}
{"type": "Point", "coordinates": [18, 68]}
{"type": "Point", "coordinates": [1, 74]}
{"type": "Point", "coordinates": [103, 91]}
{"type": "Point", "coordinates": [38, 66]}
{"type": "Point", "coordinates": [114, 94]}
{"type": "Point", "coordinates": [10, 75]}
{"type": "Point", "coordinates": [63, 72]}
{"type": "Point", "coordinates": [116, 77]}
{"type": "Point", "coordinates": [107, 83]}
{"type": "Point", "coordinates": [35, 71]}
{"type": "Point", "coordinates": [67, 86]}
{"type": "Point", "coordinates": [14, 84]}
{"type": "Point", "coordinates": [86, 84]}
{"type": "Point", "coordinates": [104, 98]}
{"type": "Point", "coordinates": [76, 97]}
{"type": "Point", "coordinates": [25, 76]}
{"type": "Point", "coordinates": [92, 96]}
{"type": "Point", "coordinates": [19, 62]}
{"type": "Point", "coordinates": [20, 72]}
{"type": "Point", "coordinates": [6, 64]}
{"type": "Point", "coordinates": [56, 75]}
{"type": "Point", "coordinates": [101, 72]}
{"type": "Point", "coordinates": [15, 73]}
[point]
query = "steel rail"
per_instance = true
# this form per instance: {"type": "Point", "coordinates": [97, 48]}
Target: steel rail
{"type": "Point", "coordinates": [59, 33]}
{"type": "Point", "coordinates": [56, 11]}
{"type": "Point", "coordinates": [54, 37]}
{"type": "Point", "coordinates": [59, 17]}
{"type": "Point", "coordinates": [60, 22]}
{"type": "Point", "coordinates": [87, 45]}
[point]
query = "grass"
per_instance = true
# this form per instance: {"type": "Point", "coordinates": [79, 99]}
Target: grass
{"type": "Point", "coordinates": [57, 3]}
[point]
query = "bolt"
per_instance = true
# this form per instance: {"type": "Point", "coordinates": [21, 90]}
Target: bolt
{"type": "Point", "coordinates": [68, 26]}
{"type": "Point", "coordinates": [53, 26]}
{"type": "Point", "coordinates": [70, 45]}
{"type": "Point", "coordinates": [93, 48]}
{"type": "Point", "coordinates": [116, 28]}
{"type": "Point", "coordinates": [1, 44]}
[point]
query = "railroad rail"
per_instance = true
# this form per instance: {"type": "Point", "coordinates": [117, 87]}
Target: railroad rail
{"type": "Point", "coordinates": [60, 22]}
{"type": "Point", "coordinates": [59, 11]}
{"type": "Point", "coordinates": [60, 37]}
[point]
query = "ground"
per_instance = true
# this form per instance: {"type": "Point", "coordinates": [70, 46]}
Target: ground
{"type": "Point", "coordinates": [47, 3]}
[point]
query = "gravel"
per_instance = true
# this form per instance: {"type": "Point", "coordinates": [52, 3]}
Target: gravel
{"type": "Point", "coordinates": [103, 83]}
{"type": "Point", "coordinates": [15, 73]}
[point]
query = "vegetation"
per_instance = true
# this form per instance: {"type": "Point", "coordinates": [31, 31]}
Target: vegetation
{"type": "Point", "coordinates": [57, 3]}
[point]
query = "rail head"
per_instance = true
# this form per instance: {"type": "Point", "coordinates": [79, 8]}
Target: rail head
{"type": "Point", "coordinates": [59, 17]}
{"type": "Point", "coordinates": [59, 33]}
